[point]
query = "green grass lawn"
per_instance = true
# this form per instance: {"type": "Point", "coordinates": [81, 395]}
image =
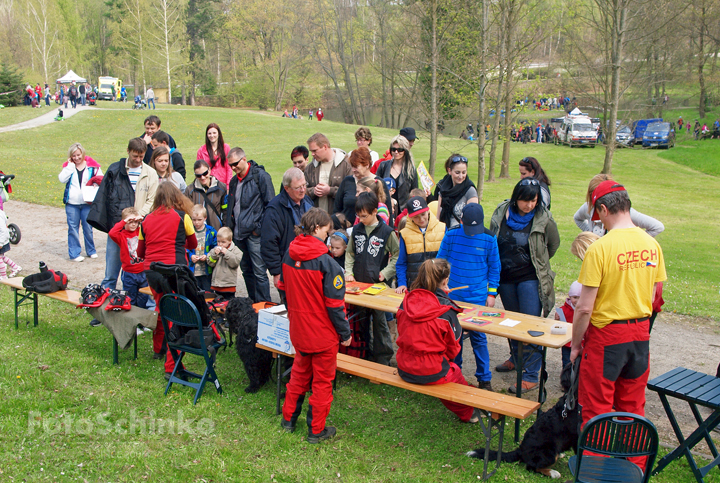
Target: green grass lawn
{"type": "Point", "coordinates": [68, 414]}
{"type": "Point", "coordinates": [670, 191]}
{"type": "Point", "coordinates": [14, 115]}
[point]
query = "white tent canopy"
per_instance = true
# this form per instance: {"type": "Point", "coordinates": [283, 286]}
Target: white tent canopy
{"type": "Point", "coordinates": [70, 77]}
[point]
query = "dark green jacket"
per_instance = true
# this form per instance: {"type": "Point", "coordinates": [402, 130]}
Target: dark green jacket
{"type": "Point", "coordinates": [544, 241]}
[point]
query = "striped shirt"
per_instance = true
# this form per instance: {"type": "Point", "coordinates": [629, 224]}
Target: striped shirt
{"type": "Point", "coordinates": [134, 175]}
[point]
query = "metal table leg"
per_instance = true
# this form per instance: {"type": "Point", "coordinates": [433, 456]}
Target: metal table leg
{"type": "Point", "coordinates": [519, 360]}
{"type": "Point", "coordinates": [115, 351]}
{"type": "Point", "coordinates": [279, 362]}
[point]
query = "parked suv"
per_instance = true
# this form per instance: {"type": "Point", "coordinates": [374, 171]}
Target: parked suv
{"type": "Point", "coordinates": [659, 134]}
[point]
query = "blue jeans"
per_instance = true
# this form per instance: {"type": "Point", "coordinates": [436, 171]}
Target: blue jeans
{"type": "Point", "coordinates": [523, 297]}
{"type": "Point", "coordinates": [132, 283]}
{"type": "Point", "coordinates": [112, 265]}
{"type": "Point", "coordinates": [76, 216]}
{"type": "Point", "coordinates": [478, 340]}
{"type": "Point", "coordinates": [253, 269]}
{"type": "Point", "coordinates": [151, 99]}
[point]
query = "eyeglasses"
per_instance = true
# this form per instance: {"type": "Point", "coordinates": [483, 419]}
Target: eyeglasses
{"type": "Point", "coordinates": [529, 182]}
{"type": "Point", "coordinates": [300, 188]}
{"type": "Point", "coordinates": [202, 175]}
{"type": "Point", "coordinates": [399, 150]}
{"type": "Point", "coordinates": [458, 159]}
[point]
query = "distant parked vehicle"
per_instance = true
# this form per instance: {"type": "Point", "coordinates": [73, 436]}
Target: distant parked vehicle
{"type": "Point", "coordinates": [624, 137]}
{"type": "Point", "coordinates": [639, 127]}
{"type": "Point", "coordinates": [659, 134]}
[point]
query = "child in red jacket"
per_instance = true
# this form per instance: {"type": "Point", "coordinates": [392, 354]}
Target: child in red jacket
{"type": "Point", "coordinates": [315, 290]}
{"type": "Point", "coordinates": [125, 234]}
{"type": "Point", "coordinates": [566, 314]}
{"type": "Point", "coordinates": [429, 331]}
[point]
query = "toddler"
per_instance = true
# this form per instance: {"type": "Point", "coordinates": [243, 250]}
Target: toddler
{"type": "Point", "coordinates": [207, 240]}
{"type": "Point", "coordinates": [225, 260]}
{"type": "Point", "coordinates": [5, 262]}
{"type": "Point", "coordinates": [566, 313]}
{"type": "Point", "coordinates": [125, 233]}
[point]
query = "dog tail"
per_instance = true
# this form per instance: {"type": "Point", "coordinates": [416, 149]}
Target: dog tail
{"type": "Point", "coordinates": [511, 457]}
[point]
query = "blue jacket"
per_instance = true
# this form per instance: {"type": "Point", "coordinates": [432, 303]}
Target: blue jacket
{"type": "Point", "coordinates": [474, 261]}
{"type": "Point", "coordinates": [210, 243]}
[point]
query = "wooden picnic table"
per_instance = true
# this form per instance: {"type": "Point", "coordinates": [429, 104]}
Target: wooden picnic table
{"type": "Point", "coordinates": [389, 301]}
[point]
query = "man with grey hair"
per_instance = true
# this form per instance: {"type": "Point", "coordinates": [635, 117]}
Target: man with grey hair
{"type": "Point", "coordinates": [281, 216]}
{"type": "Point", "coordinates": [249, 193]}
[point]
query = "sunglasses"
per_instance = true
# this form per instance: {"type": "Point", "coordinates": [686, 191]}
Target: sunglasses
{"type": "Point", "coordinates": [529, 182]}
{"type": "Point", "coordinates": [202, 175]}
{"type": "Point", "coordinates": [458, 159]}
{"type": "Point", "coordinates": [400, 150]}
{"type": "Point", "coordinates": [232, 165]}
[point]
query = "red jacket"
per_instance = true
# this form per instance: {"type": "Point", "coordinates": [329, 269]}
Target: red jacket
{"type": "Point", "coordinates": [566, 313]}
{"type": "Point", "coordinates": [165, 236]}
{"type": "Point", "coordinates": [128, 243]}
{"type": "Point", "coordinates": [426, 340]}
{"type": "Point", "coordinates": [315, 291]}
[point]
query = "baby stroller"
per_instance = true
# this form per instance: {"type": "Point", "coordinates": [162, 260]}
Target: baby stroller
{"type": "Point", "coordinates": [5, 190]}
{"type": "Point", "coordinates": [92, 98]}
{"type": "Point", "coordinates": [139, 102]}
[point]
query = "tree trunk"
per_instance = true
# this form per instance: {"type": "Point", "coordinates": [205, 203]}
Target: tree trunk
{"type": "Point", "coordinates": [433, 89]}
{"type": "Point", "coordinates": [616, 57]}
{"type": "Point", "coordinates": [481, 104]}
{"type": "Point", "coordinates": [701, 62]}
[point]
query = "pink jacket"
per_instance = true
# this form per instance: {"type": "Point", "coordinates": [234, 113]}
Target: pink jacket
{"type": "Point", "coordinates": [222, 173]}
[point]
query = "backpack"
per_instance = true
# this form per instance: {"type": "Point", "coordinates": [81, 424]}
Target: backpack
{"type": "Point", "coordinates": [48, 281]}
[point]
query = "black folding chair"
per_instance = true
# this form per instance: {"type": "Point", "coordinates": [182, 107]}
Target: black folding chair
{"type": "Point", "coordinates": [615, 436]}
{"type": "Point", "coordinates": [181, 313]}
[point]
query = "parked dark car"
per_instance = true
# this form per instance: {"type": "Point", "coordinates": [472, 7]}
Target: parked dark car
{"type": "Point", "coordinates": [659, 134]}
{"type": "Point", "coordinates": [624, 136]}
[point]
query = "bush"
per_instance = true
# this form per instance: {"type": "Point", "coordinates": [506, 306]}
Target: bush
{"type": "Point", "coordinates": [11, 83]}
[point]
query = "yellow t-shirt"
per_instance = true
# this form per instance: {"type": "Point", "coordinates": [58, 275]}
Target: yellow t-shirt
{"type": "Point", "coordinates": [624, 265]}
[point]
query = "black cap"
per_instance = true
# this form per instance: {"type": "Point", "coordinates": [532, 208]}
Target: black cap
{"type": "Point", "coordinates": [408, 133]}
{"type": "Point", "coordinates": [472, 219]}
{"type": "Point", "coordinates": [416, 205]}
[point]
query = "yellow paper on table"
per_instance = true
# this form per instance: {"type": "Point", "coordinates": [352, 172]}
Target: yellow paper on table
{"type": "Point", "coordinates": [425, 179]}
{"type": "Point", "coordinates": [375, 289]}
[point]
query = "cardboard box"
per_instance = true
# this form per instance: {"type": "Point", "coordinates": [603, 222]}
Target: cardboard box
{"type": "Point", "coordinates": [274, 329]}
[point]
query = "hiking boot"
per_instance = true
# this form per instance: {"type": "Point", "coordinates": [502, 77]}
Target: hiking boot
{"type": "Point", "coordinates": [95, 323]}
{"type": "Point", "coordinates": [526, 386]}
{"type": "Point", "coordinates": [159, 355]}
{"type": "Point", "coordinates": [506, 366]}
{"type": "Point", "coordinates": [485, 385]}
{"type": "Point", "coordinates": [288, 426]}
{"type": "Point", "coordinates": [326, 433]}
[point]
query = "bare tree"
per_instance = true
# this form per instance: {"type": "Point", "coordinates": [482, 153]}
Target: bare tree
{"type": "Point", "coordinates": [167, 15]}
{"type": "Point", "coordinates": [42, 31]}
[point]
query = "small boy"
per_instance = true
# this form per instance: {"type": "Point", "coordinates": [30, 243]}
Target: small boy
{"type": "Point", "coordinates": [371, 258]}
{"type": "Point", "coordinates": [566, 314]}
{"type": "Point", "coordinates": [225, 260]}
{"type": "Point", "coordinates": [403, 214]}
{"type": "Point", "coordinates": [472, 251]}
{"type": "Point", "coordinates": [125, 234]}
{"type": "Point", "coordinates": [419, 241]}
{"type": "Point", "coordinates": [207, 240]}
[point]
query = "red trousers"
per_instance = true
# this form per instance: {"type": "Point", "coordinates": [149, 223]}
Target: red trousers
{"type": "Point", "coordinates": [316, 371]}
{"type": "Point", "coordinates": [455, 375]}
{"type": "Point", "coordinates": [159, 334]}
{"type": "Point", "coordinates": [614, 370]}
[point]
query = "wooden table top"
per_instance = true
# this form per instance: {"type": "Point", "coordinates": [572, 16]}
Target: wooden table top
{"type": "Point", "coordinates": [389, 301]}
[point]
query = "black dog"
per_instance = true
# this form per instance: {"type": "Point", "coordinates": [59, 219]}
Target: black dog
{"type": "Point", "coordinates": [243, 322]}
{"type": "Point", "coordinates": [554, 432]}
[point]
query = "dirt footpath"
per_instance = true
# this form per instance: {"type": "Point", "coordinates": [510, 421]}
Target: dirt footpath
{"type": "Point", "coordinates": [676, 340]}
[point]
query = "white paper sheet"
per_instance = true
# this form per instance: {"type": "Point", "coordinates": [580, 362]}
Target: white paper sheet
{"type": "Point", "coordinates": [509, 322]}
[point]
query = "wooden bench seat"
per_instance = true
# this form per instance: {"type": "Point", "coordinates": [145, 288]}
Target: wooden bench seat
{"type": "Point", "coordinates": [22, 296]}
{"type": "Point", "coordinates": [495, 406]}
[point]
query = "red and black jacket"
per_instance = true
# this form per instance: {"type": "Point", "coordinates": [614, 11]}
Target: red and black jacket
{"type": "Point", "coordinates": [164, 237]}
{"type": "Point", "coordinates": [315, 291]}
{"type": "Point", "coordinates": [427, 339]}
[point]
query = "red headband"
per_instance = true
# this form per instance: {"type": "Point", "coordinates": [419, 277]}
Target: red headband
{"type": "Point", "coordinates": [604, 188]}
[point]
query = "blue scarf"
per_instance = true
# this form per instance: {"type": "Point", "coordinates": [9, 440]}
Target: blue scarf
{"type": "Point", "coordinates": [518, 222]}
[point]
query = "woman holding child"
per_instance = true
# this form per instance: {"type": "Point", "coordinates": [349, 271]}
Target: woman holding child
{"type": "Point", "coordinates": [456, 191]}
{"type": "Point", "coordinates": [165, 235]}
{"type": "Point", "coordinates": [78, 171]}
{"type": "Point", "coordinates": [215, 153]}
{"type": "Point", "coordinates": [160, 162]}
{"type": "Point", "coordinates": [527, 238]}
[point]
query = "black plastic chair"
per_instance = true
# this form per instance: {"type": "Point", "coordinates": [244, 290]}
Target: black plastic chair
{"type": "Point", "coordinates": [181, 312]}
{"type": "Point", "coordinates": [615, 436]}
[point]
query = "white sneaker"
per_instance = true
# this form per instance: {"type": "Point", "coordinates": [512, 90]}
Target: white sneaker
{"type": "Point", "coordinates": [15, 272]}
{"type": "Point", "coordinates": [94, 255]}
{"type": "Point", "coordinates": [139, 331]}
{"type": "Point", "coordinates": [78, 259]}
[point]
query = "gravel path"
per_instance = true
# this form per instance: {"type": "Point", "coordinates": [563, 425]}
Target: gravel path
{"type": "Point", "coordinates": [676, 340]}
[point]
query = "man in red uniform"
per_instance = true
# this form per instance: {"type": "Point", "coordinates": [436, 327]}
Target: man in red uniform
{"type": "Point", "coordinates": [619, 277]}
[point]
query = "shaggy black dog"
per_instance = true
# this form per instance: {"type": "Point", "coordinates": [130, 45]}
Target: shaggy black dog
{"type": "Point", "coordinates": [547, 438]}
{"type": "Point", "coordinates": [243, 322]}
